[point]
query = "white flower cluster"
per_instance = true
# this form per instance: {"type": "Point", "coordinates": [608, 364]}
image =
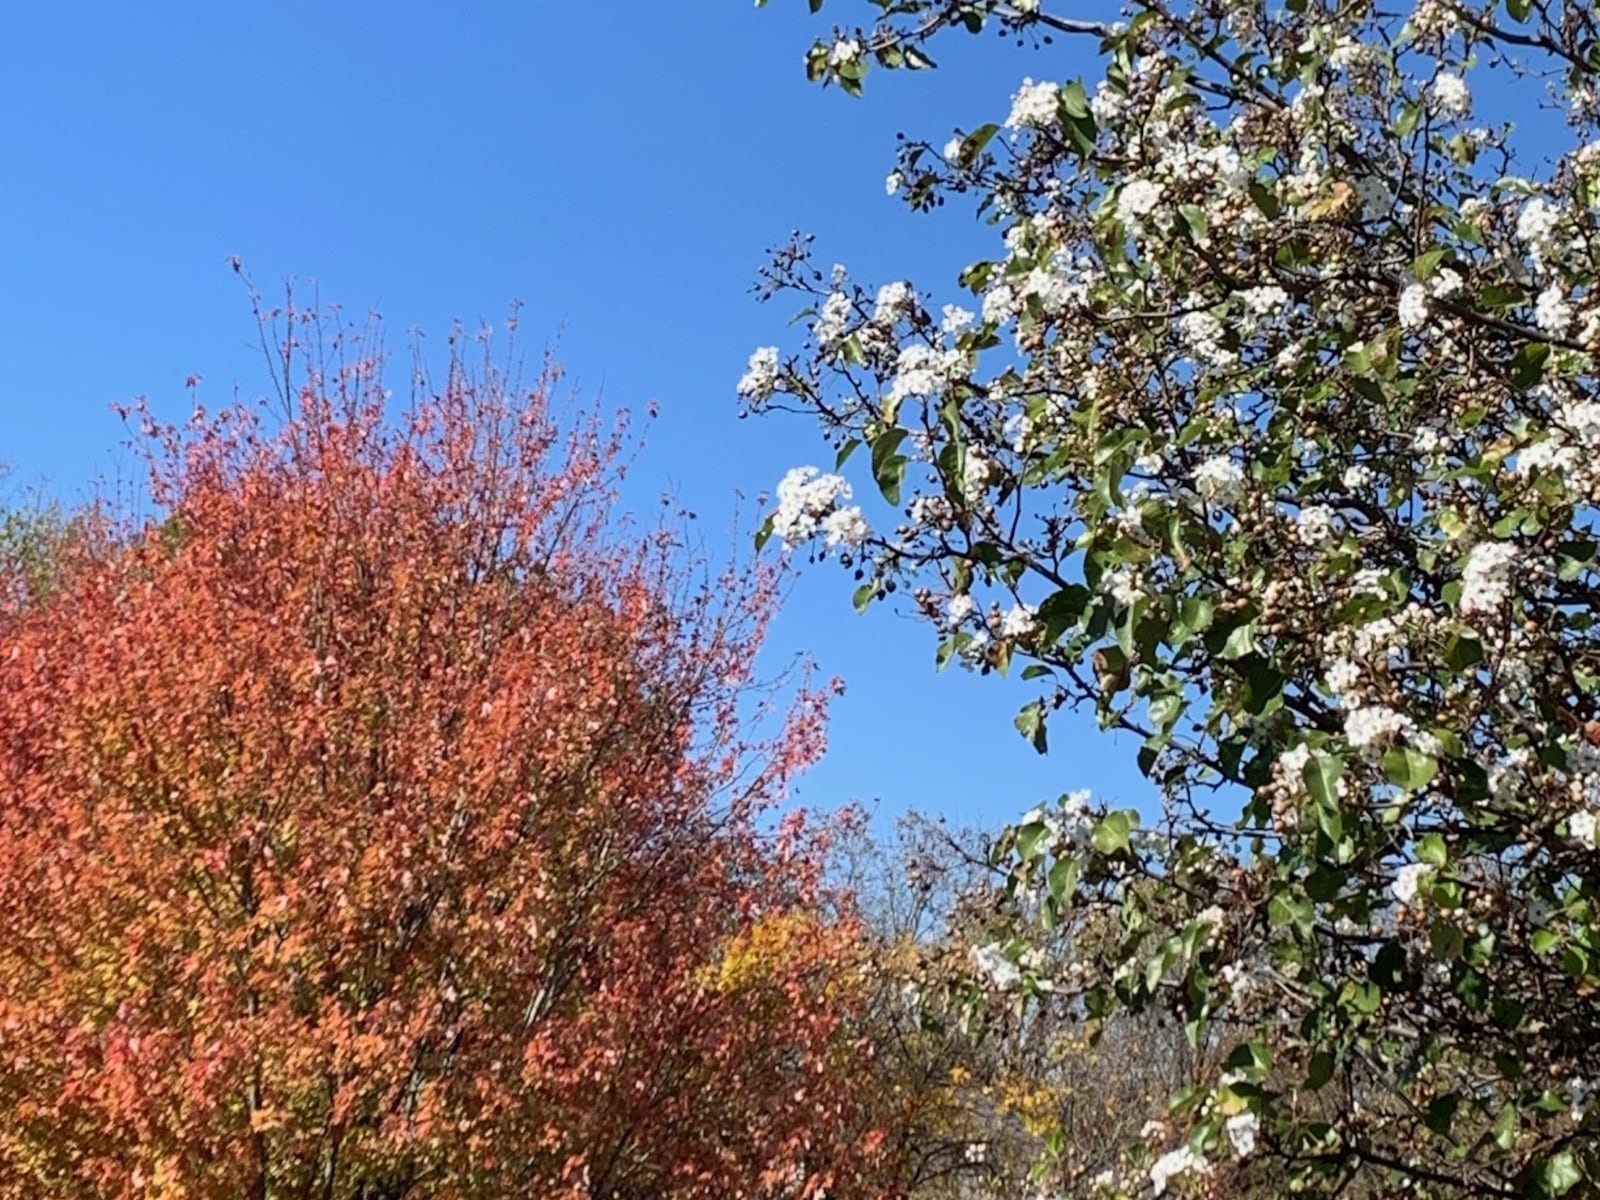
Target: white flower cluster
{"type": "Point", "coordinates": [1486, 578]}
{"type": "Point", "coordinates": [1413, 310]}
{"type": "Point", "coordinates": [1137, 200]}
{"type": "Point", "coordinates": [1537, 227]}
{"type": "Point", "coordinates": [1034, 105]}
{"type": "Point", "coordinates": [1069, 823]}
{"type": "Point", "coordinates": [1241, 1130]}
{"type": "Point", "coordinates": [1370, 728]}
{"type": "Point", "coordinates": [895, 301]}
{"type": "Point", "coordinates": [1123, 583]}
{"type": "Point", "coordinates": [996, 967]}
{"type": "Point", "coordinates": [1315, 524]}
{"type": "Point", "coordinates": [831, 324]}
{"type": "Point", "coordinates": [1218, 478]}
{"type": "Point", "coordinates": [1019, 622]}
{"type": "Point", "coordinates": [926, 371]}
{"type": "Point", "coordinates": [1450, 96]}
{"type": "Point", "coordinates": [1173, 1164]}
{"type": "Point", "coordinates": [1204, 335]}
{"type": "Point", "coordinates": [1567, 452]}
{"type": "Point", "coordinates": [1408, 882]}
{"type": "Point", "coordinates": [761, 377]}
{"type": "Point", "coordinates": [809, 503]}
{"type": "Point", "coordinates": [1551, 312]}
{"type": "Point", "coordinates": [978, 470]}
{"type": "Point", "coordinates": [844, 52]}
{"type": "Point", "coordinates": [1581, 828]}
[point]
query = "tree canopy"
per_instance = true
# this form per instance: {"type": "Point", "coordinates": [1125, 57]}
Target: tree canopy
{"type": "Point", "coordinates": [1266, 431]}
{"type": "Point", "coordinates": [388, 819]}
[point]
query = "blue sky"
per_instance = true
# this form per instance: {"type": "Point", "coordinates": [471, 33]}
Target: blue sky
{"type": "Point", "coordinates": [620, 168]}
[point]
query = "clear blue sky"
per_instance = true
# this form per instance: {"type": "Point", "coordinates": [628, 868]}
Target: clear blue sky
{"type": "Point", "coordinates": [620, 168]}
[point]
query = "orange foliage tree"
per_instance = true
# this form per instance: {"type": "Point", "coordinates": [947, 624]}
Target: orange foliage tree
{"type": "Point", "coordinates": [387, 822]}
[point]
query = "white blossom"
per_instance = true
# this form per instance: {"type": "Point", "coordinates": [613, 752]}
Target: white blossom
{"type": "Point", "coordinates": [1372, 727]}
{"type": "Point", "coordinates": [1204, 334]}
{"type": "Point", "coordinates": [976, 471]}
{"type": "Point", "coordinates": [1341, 676]}
{"type": "Point", "coordinates": [1450, 96]}
{"type": "Point", "coordinates": [1413, 310]}
{"type": "Point", "coordinates": [895, 300]}
{"type": "Point", "coordinates": [761, 376]}
{"type": "Point", "coordinates": [1123, 584]}
{"type": "Point", "coordinates": [1315, 524]}
{"type": "Point", "coordinates": [846, 526]}
{"type": "Point", "coordinates": [1486, 578]}
{"type": "Point", "coordinates": [955, 319]}
{"type": "Point", "coordinates": [1356, 477]}
{"type": "Point", "coordinates": [925, 371]}
{"type": "Point", "coordinates": [1407, 881]}
{"type": "Point", "coordinates": [1581, 1090]}
{"type": "Point", "coordinates": [844, 52]}
{"type": "Point", "coordinates": [806, 499]}
{"type": "Point", "coordinates": [1263, 301]}
{"type": "Point", "coordinates": [1447, 282]}
{"type": "Point", "coordinates": [993, 963]}
{"type": "Point", "coordinates": [1018, 622]}
{"type": "Point", "coordinates": [1581, 828]}
{"type": "Point", "coordinates": [1033, 105]}
{"type": "Point", "coordinates": [1177, 1162]}
{"type": "Point", "coordinates": [1242, 1129]}
{"type": "Point", "coordinates": [1000, 304]}
{"type": "Point", "coordinates": [831, 323]}
{"type": "Point", "coordinates": [1218, 478]}
{"type": "Point", "coordinates": [1137, 200]}
{"type": "Point", "coordinates": [1551, 312]}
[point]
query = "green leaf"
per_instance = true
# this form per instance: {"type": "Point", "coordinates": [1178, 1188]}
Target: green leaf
{"type": "Point", "coordinates": [1030, 723]}
{"type": "Point", "coordinates": [1111, 834]}
{"type": "Point", "coordinates": [1166, 709]}
{"type": "Point", "coordinates": [1321, 776]}
{"type": "Point", "coordinates": [1286, 909]}
{"type": "Point", "coordinates": [1063, 879]}
{"type": "Point", "coordinates": [1239, 642]}
{"type": "Point", "coordinates": [1446, 941]}
{"type": "Point", "coordinates": [1560, 1173]}
{"type": "Point", "coordinates": [1527, 366]}
{"type": "Point", "coordinates": [1195, 614]}
{"type": "Point", "coordinates": [1506, 1127]}
{"type": "Point", "coordinates": [888, 467]}
{"type": "Point", "coordinates": [1431, 850]}
{"type": "Point", "coordinates": [1319, 1070]}
{"type": "Point", "coordinates": [1463, 651]}
{"type": "Point", "coordinates": [1074, 99]}
{"type": "Point", "coordinates": [1028, 839]}
{"type": "Point", "coordinates": [1408, 768]}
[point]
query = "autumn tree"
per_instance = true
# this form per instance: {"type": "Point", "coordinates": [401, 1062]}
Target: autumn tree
{"type": "Point", "coordinates": [1265, 431]}
{"type": "Point", "coordinates": [389, 819]}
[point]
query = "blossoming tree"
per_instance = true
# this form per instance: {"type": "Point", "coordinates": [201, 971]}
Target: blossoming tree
{"type": "Point", "coordinates": [1269, 431]}
{"type": "Point", "coordinates": [385, 823]}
